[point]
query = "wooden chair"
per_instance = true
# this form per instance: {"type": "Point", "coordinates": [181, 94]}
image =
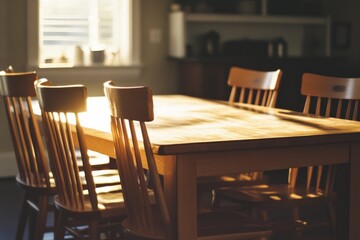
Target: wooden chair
{"type": "Point", "coordinates": [255, 87]}
{"type": "Point", "coordinates": [148, 213]}
{"type": "Point", "coordinates": [100, 209]}
{"type": "Point", "coordinates": [341, 96]}
{"type": "Point", "coordinates": [325, 96]}
{"type": "Point", "coordinates": [33, 176]}
{"type": "Point", "coordinates": [251, 87]}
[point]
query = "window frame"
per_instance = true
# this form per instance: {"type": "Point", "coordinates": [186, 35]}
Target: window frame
{"type": "Point", "coordinates": [33, 43]}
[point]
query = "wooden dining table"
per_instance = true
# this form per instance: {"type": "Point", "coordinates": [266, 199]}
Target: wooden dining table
{"type": "Point", "coordinates": [195, 137]}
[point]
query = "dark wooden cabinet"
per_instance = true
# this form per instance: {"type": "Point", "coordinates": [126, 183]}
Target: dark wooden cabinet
{"type": "Point", "coordinates": [207, 77]}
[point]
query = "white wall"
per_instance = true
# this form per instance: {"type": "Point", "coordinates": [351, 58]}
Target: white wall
{"type": "Point", "coordinates": [7, 162]}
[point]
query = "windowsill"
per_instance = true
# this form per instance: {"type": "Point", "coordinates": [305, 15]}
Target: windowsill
{"type": "Point", "coordinates": [94, 72]}
{"type": "Point", "coordinates": [88, 66]}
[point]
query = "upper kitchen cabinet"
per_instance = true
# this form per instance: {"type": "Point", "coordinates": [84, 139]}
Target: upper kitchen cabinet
{"type": "Point", "coordinates": [236, 28]}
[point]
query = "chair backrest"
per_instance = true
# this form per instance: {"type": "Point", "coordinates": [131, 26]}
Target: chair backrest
{"type": "Point", "coordinates": [18, 92]}
{"type": "Point", "coordinates": [130, 108]}
{"type": "Point", "coordinates": [327, 96]}
{"type": "Point", "coordinates": [63, 137]}
{"type": "Point", "coordinates": [256, 87]}
{"type": "Point", "coordinates": [331, 96]}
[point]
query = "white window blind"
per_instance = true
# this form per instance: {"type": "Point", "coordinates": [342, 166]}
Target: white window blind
{"type": "Point", "coordinates": [85, 32]}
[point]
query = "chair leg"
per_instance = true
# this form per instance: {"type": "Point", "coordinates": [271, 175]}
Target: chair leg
{"type": "Point", "coordinates": [94, 230]}
{"type": "Point", "coordinates": [332, 217]}
{"type": "Point", "coordinates": [297, 219]}
{"type": "Point", "coordinates": [203, 196]}
{"type": "Point", "coordinates": [55, 219]}
{"type": "Point", "coordinates": [24, 214]}
{"type": "Point", "coordinates": [264, 217]}
{"type": "Point", "coordinates": [42, 216]}
{"type": "Point", "coordinates": [60, 226]}
{"type": "Point", "coordinates": [295, 212]}
{"type": "Point", "coordinates": [215, 201]}
{"type": "Point", "coordinates": [254, 214]}
{"type": "Point", "coordinates": [32, 223]}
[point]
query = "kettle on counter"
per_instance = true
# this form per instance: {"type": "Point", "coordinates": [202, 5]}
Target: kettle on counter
{"type": "Point", "coordinates": [210, 44]}
{"type": "Point", "coordinates": [277, 48]}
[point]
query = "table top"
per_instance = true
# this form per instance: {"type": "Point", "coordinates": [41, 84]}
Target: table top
{"type": "Point", "coordinates": [185, 124]}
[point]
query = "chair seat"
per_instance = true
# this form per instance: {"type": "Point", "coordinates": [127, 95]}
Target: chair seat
{"type": "Point", "coordinates": [111, 212]}
{"type": "Point", "coordinates": [97, 160]}
{"type": "Point", "coordinates": [276, 193]}
{"type": "Point", "coordinates": [212, 182]}
{"type": "Point", "coordinates": [41, 187]}
{"type": "Point", "coordinates": [211, 224]}
{"type": "Point", "coordinates": [110, 204]}
{"type": "Point", "coordinates": [104, 177]}
{"type": "Point", "coordinates": [157, 230]}
{"type": "Point", "coordinates": [281, 201]}
{"type": "Point", "coordinates": [101, 177]}
{"type": "Point", "coordinates": [230, 225]}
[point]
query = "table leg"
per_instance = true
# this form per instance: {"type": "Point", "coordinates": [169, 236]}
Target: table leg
{"type": "Point", "coordinates": [170, 188]}
{"type": "Point", "coordinates": [187, 198]}
{"type": "Point", "coordinates": [354, 191]}
{"type": "Point", "coordinates": [342, 201]}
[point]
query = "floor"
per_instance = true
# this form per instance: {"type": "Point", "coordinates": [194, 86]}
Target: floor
{"type": "Point", "coordinates": [10, 202]}
{"type": "Point", "coordinates": [11, 196]}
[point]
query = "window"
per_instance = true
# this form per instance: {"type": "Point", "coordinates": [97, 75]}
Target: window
{"type": "Point", "coordinates": [84, 33]}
